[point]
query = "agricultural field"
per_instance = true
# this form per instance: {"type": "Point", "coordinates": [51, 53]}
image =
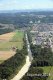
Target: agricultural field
{"type": "Point", "coordinates": [7, 36]}
{"type": "Point", "coordinates": [9, 42]}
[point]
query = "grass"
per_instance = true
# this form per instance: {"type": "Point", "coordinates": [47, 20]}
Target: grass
{"type": "Point", "coordinates": [16, 41]}
{"type": "Point", "coordinates": [1, 61]}
{"type": "Point", "coordinates": [18, 36]}
{"type": "Point", "coordinates": [8, 45]}
{"type": "Point", "coordinates": [48, 70]}
{"type": "Point", "coordinates": [51, 74]}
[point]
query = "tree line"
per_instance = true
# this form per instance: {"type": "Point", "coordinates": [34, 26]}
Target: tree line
{"type": "Point", "coordinates": [11, 66]}
{"type": "Point", "coordinates": [41, 57]}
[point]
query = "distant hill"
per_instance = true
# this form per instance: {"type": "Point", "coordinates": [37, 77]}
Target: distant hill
{"type": "Point", "coordinates": [23, 18]}
{"type": "Point", "coordinates": [5, 28]}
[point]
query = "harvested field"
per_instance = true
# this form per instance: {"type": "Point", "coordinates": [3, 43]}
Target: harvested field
{"type": "Point", "coordinates": [9, 42]}
{"type": "Point", "coordinates": [6, 54]}
{"type": "Point", "coordinates": [7, 36]}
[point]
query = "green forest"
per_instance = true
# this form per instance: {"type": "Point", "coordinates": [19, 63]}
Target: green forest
{"type": "Point", "coordinates": [10, 67]}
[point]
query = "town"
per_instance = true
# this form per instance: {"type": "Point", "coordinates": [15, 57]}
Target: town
{"type": "Point", "coordinates": [42, 34]}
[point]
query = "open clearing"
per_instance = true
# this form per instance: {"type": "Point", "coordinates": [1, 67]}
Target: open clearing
{"type": "Point", "coordinates": [9, 42]}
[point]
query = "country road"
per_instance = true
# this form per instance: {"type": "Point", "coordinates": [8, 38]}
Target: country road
{"type": "Point", "coordinates": [25, 68]}
{"type": "Point", "coordinates": [28, 49]}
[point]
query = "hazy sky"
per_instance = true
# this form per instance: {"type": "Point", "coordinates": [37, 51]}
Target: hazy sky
{"type": "Point", "coordinates": [25, 4]}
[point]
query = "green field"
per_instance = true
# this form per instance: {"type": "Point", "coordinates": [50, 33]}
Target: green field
{"type": "Point", "coordinates": [48, 70]}
{"type": "Point", "coordinates": [16, 41]}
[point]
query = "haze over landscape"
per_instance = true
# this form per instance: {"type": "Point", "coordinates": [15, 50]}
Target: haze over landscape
{"type": "Point", "coordinates": [26, 39]}
{"type": "Point", "coordinates": [26, 4]}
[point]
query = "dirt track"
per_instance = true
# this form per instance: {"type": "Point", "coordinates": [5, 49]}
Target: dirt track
{"type": "Point", "coordinates": [23, 70]}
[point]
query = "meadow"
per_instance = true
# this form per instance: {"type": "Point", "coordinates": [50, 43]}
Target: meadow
{"type": "Point", "coordinates": [48, 70]}
{"type": "Point", "coordinates": [9, 42]}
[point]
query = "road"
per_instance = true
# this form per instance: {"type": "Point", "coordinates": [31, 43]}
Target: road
{"type": "Point", "coordinates": [25, 68]}
{"type": "Point", "coordinates": [28, 48]}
